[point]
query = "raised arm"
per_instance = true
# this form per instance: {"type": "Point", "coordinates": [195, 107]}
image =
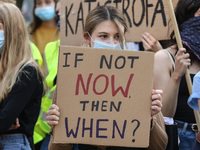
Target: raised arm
{"type": "Point", "coordinates": [169, 81]}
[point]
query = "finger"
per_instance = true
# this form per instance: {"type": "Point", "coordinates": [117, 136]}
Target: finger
{"type": "Point", "coordinates": [155, 110]}
{"type": "Point", "coordinates": [54, 106]}
{"type": "Point", "coordinates": [146, 37]}
{"type": "Point", "coordinates": [157, 91]}
{"type": "Point", "coordinates": [17, 121]}
{"type": "Point", "coordinates": [156, 103]}
{"type": "Point", "coordinates": [185, 56]}
{"type": "Point", "coordinates": [13, 127]}
{"type": "Point", "coordinates": [52, 118]}
{"type": "Point", "coordinates": [53, 112]}
{"type": "Point", "coordinates": [17, 126]}
{"type": "Point", "coordinates": [185, 63]}
{"type": "Point", "coordinates": [156, 97]}
{"type": "Point", "coordinates": [181, 51]}
{"type": "Point", "coordinates": [145, 45]}
{"type": "Point", "coordinates": [52, 123]}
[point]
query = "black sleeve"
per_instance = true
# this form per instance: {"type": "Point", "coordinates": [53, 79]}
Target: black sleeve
{"type": "Point", "coordinates": [18, 97]}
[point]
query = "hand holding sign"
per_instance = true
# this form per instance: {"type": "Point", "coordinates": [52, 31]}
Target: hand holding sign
{"type": "Point", "coordinates": [52, 115]}
{"type": "Point", "coordinates": [156, 104]}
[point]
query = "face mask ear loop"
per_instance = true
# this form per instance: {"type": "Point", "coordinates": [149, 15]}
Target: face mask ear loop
{"type": "Point", "coordinates": [90, 36]}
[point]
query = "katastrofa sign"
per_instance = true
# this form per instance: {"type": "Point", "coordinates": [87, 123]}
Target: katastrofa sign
{"type": "Point", "coordinates": [142, 16]}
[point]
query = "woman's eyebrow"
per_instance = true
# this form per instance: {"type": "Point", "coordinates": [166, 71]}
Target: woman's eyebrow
{"type": "Point", "coordinates": [102, 33]}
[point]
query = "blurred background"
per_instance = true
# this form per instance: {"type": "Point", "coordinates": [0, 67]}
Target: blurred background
{"type": "Point", "coordinates": [26, 7]}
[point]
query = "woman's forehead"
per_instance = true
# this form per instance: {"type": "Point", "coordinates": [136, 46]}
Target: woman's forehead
{"type": "Point", "coordinates": [108, 26]}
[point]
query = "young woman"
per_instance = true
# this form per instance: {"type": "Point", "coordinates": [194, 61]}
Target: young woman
{"type": "Point", "coordinates": [43, 29]}
{"type": "Point", "coordinates": [172, 80]}
{"type": "Point", "coordinates": [21, 81]}
{"type": "Point", "coordinates": [105, 28]}
{"type": "Point", "coordinates": [41, 132]}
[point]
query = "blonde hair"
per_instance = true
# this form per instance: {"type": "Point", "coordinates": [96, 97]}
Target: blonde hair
{"type": "Point", "coordinates": [16, 52]}
{"type": "Point", "coordinates": [104, 13]}
{"type": "Point", "coordinates": [8, 1]}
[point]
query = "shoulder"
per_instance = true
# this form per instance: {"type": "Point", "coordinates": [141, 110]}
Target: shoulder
{"type": "Point", "coordinates": [52, 45]}
{"type": "Point", "coordinates": [162, 57]}
{"type": "Point", "coordinates": [30, 73]}
{"type": "Point", "coordinates": [162, 54]}
{"type": "Point", "coordinates": [29, 69]}
{"type": "Point", "coordinates": [163, 62]}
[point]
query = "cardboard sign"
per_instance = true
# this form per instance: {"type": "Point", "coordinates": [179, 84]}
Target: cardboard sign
{"type": "Point", "coordinates": [104, 97]}
{"type": "Point", "coordinates": [141, 15]}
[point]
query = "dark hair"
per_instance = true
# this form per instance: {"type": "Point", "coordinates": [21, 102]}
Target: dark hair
{"type": "Point", "coordinates": [185, 10]}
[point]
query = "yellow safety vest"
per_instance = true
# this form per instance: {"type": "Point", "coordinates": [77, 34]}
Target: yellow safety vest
{"type": "Point", "coordinates": [36, 54]}
{"type": "Point", "coordinates": [51, 56]}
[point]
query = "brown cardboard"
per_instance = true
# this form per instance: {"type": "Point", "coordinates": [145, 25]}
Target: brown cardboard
{"type": "Point", "coordinates": [133, 71]}
{"type": "Point", "coordinates": [149, 15]}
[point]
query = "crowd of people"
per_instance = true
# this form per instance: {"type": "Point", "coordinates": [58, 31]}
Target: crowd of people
{"type": "Point", "coordinates": [28, 73]}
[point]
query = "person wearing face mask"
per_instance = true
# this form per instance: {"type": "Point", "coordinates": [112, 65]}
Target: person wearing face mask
{"type": "Point", "coordinates": [41, 132]}
{"type": "Point", "coordinates": [21, 81]}
{"type": "Point", "coordinates": [43, 29]}
{"type": "Point", "coordinates": [35, 51]}
{"type": "Point", "coordinates": [105, 27]}
{"type": "Point", "coordinates": [1, 40]}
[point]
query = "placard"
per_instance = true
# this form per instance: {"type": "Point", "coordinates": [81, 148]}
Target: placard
{"type": "Point", "coordinates": [142, 16]}
{"type": "Point", "coordinates": [104, 97]}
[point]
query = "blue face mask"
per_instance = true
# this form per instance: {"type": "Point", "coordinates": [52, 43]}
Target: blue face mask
{"type": "Point", "coordinates": [45, 13]}
{"type": "Point", "coordinates": [1, 40]}
{"type": "Point", "coordinates": [100, 44]}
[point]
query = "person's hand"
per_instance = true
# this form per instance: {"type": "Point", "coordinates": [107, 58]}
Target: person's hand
{"type": "Point", "coordinates": [156, 104]}
{"type": "Point", "coordinates": [150, 43]}
{"type": "Point", "coordinates": [182, 61]}
{"type": "Point", "coordinates": [15, 126]}
{"type": "Point", "coordinates": [52, 115]}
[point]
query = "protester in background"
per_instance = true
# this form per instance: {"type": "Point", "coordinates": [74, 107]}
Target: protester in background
{"type": "Point", "coordinates": [43, 29]}
{"type": "Point", "coordinates": [21, 83]}
{"type": "Point", "coordinates": [193, 99]}
{"type": "Point", "coordinates": [104, 28]}
{"type": "Point", "coordinates": [42, 129]}
{"type": "Point", "coordinates": [171, 79]}
{"type": "Point", "coordinates": [194, 103]}
{"type": "Point", "coordinates": [35, 51]}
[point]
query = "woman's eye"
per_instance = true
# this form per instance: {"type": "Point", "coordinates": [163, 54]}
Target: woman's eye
{"type": "Point", "coordinates": [103, 36]}
{"type": "Point", "coordinates": [117, 36]}
{"type": "Point", "coordinates": [38, 3]}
